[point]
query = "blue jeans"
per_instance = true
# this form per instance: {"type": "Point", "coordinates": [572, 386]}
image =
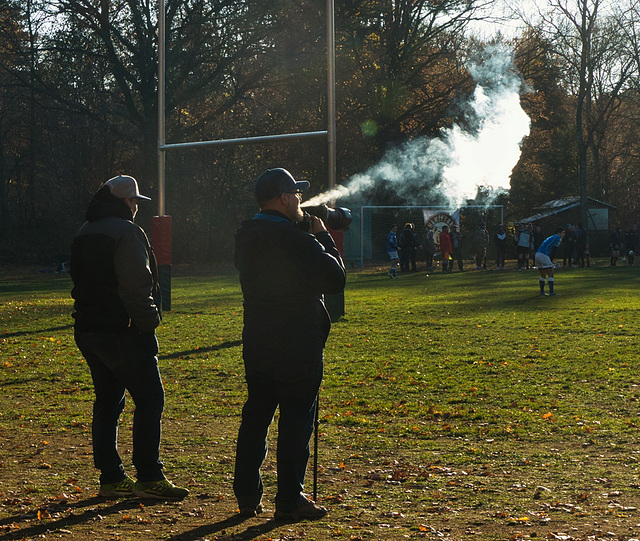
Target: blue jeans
{"type": "Point", "coordinates": [125, 361]}
{"type": "Point", "coordinates": [297, 403]}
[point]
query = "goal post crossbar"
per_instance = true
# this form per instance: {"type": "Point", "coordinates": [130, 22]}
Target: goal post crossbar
{"type": "Point", "coordinates": [244, 140]}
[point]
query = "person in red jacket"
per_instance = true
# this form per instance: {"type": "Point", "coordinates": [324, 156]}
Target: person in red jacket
{"type": "Point", "coordinates": [446, 249]}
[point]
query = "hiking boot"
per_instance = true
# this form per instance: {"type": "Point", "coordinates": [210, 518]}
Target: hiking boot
{"type": "Point", "coordinates": [306, 510]}
{"type": "Point", "coordinates": [121, 489]}
{"type": "Point", "coordinates": [159, 490]}
{"type": "Point", "coordinates": [250, 511]}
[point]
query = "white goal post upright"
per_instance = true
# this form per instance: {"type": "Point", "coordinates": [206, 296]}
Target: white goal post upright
{"type": "Point", "coordinates": [162, 222]}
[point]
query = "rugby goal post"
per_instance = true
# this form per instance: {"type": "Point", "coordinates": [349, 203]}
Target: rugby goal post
{"type": "Point", "coordinates": [161, 228]}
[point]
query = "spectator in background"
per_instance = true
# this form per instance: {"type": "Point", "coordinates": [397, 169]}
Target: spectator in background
{"type": "Point", "coordinates": [414, 252]}
{"type": "Point", "coordinates": [582, 246]}
{"type": "Point", "coordinates": [616, 244]}
{"type": "Point", "coordinates": [631, 242]}
{"type": "Point", "coordinates": [408, 245]}
{"type": "Point", "coordinates": [456, 246]}
{"type": "Point", "coordinates": [500, 240]}
{"type": "Point", "coordinates": [392, 250]}
{"type": "Point", "coordinates": [429, 249]}
{"type": "Point", "coordinates": [446, 248]}
{"type": "Point", "coordinates": [569, 247]}
{"type": "Point", "coordinates": [480, 243]}
{"type": "Point", "coordinates": [538, 237]}
{"type": "Point", "coordinates": [523, 240]}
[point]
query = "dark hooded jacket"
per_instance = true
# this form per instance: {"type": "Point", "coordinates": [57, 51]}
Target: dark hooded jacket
{"type": "Point", "coordinates": [114, 270]}
{"type": "Point", "coordinates": [284, 274]}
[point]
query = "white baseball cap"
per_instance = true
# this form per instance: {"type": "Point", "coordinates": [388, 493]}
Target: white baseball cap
{"type": "Point", "coordinates": [124, 186]}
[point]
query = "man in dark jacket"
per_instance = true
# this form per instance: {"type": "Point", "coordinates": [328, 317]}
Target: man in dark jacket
{"type": "Point", "coordinates": [117, 309]}
{"type": "Point", "coordinates": [408, 245]}
{"type": "Point", "coordinates": [631, 238]}
{"type": "Point", "coordinates": [284, 273]}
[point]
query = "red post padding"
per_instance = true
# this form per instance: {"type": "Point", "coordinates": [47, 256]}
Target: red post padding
{"type": "Point", "coordinates": [161, 239]}
{"type": "Point", "coordinates": [338, 238]}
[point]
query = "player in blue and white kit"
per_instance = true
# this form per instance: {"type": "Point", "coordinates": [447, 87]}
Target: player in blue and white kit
{"type": "Point", "coordinates": [544, 259]}
{"type": "Point", "coordinates": [392, 249]}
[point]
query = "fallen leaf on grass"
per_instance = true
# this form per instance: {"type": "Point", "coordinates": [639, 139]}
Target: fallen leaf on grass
{"type": "Point", "coordinates": [393, 514]}
{"type": "Point", "coordinates": [519, 520]}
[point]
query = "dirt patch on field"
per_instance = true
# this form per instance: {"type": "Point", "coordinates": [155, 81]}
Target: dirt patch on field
{"type": "Point", "coordinates": [49, 491]}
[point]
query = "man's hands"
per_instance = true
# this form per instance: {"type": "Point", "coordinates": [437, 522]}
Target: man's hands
{"type": "Point", "coordinates": [317, 225]}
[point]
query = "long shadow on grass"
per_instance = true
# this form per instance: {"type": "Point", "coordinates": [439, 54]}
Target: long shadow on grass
{"type": "Point", "coordinates": [250, 533]}
{"type": "Point", "coordinates": [187, 352]}
{"type": "Point", "coordinates": [39, 331]}
{"type": "Point", "coordinates": [68, 521]}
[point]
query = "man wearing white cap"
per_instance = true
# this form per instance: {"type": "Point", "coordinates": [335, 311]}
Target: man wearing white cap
{"type": "Point", "coordinates": [117, 309]}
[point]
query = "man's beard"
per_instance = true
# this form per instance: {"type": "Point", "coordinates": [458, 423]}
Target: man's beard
{"type": "Point", "coordinates": [298, 215]}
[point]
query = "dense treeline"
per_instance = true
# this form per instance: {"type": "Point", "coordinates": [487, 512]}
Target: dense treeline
{"type": "Point", "coordinates": [78, 104]}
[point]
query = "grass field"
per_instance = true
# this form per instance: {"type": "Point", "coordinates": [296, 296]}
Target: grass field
{"type": "Point", "coordinates": [454, 407]}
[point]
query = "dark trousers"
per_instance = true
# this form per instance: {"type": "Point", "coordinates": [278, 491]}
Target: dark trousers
{"type": "Point", "coordinates": [297, 403]}
{"type": "Point", "coordinates": [119, 361]}
{"type": "Point", "coordinates": [523, 257]}
{"type": "Point", "coordinates": [406, 258]}
{"type": "Point", "coordinates": [429, 259]}
{"type": "Point", "coordinates": [457, 256]}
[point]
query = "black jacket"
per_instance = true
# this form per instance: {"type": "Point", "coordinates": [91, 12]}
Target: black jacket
{"type": "Point", "coordinates": [284, 273]}
{"type": "Point", "coordinates": [114, 270]}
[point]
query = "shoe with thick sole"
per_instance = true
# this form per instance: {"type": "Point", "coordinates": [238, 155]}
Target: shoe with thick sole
{"type": "Point", "coordinates": [121, 489]}
{"type": "Point", "coordinates": [306, 510]}
{"type": "Point", "coordinates": [250, 511]}
{"type": "Point", "coordinates": [159, 490]}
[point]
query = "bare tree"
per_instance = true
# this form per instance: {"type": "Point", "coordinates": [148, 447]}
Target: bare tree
{"type": "Point", "coordinates": [588, 40]}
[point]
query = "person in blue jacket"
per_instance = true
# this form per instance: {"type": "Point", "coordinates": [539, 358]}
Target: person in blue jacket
{"type": "Point", "coordinates": [544, 260]}
{"type": "Point", "coordinates": [392, 250]}
{"type": "Point", "coordinates": [284, 273]}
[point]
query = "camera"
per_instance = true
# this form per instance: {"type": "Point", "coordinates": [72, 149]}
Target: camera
{"type": "Point", "coordinates": [338, 219]}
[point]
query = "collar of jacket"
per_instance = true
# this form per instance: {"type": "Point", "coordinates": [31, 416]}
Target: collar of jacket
{"type": "Point", "coordinates": [104, 205]}
{"type": "Point", "coordinates": [271, 216]}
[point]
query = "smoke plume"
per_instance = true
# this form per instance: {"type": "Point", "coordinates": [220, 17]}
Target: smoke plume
{"type": "Point", "coordinates": [482, 153]}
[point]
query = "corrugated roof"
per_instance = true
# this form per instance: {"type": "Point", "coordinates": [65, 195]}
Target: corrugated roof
{"type": "Point", "coordinates": [543, 215]}
{"type": "Point", "coordinates": [569, 202]}
{"type": "Point", "coordinates": [551, 208]}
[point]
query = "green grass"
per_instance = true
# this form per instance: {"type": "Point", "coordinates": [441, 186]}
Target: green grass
{"type": "Point", "coordinates": [451, 404]}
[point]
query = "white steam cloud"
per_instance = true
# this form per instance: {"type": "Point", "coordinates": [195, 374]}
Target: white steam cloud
{"type": "Point", "coordinates": [480, 154]}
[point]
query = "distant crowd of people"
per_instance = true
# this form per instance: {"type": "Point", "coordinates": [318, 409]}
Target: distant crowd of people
{"type": "Point", "coordinates": [572, 251]}
{"type": "Point", "coordinates": [623, 245]}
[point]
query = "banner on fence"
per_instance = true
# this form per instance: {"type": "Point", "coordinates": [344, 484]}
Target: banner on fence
{"type": "Point", "coordinates": [435, 220]}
